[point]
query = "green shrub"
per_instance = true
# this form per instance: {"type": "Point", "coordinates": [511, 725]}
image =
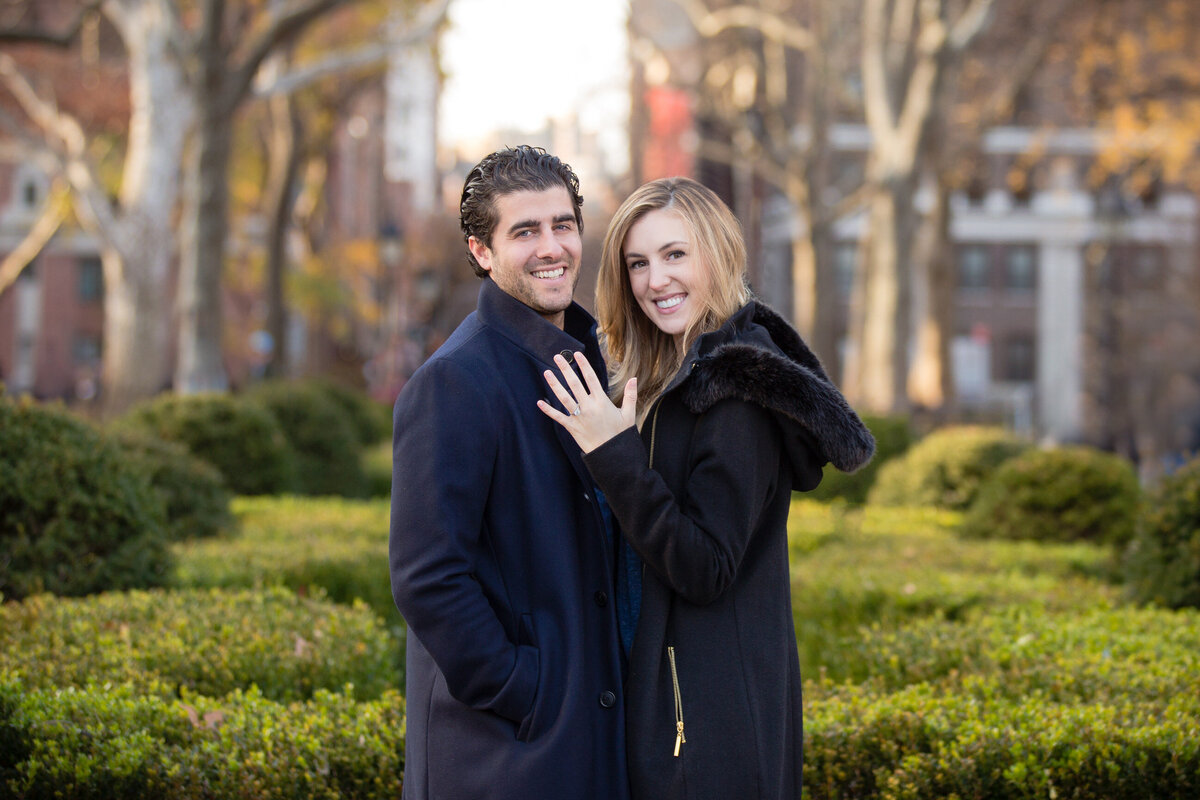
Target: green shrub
{"type": "Point", "coordinates": [946, 468]}
{"type": "Point", "coordinates": [1013, 704]}
{"type": "Point", "coordinates": [377, 466]}
{"type": "Point", "coordinates": [1065, 494]}
{"type": "Point", "coordinates": [242, 440]}
{"type": "Point", "coordinates": [209, 642]}
{"type": "Point", "coordinates": [120, 744]}
{"type": "Point", "coordinates": [75, 517]}
{"type": "Point", "coordinates": [893, 436]}
{"type": "Point", "coordinates": [370, 419]}
{"type": "Point", "coordinates": [853, 568]}
{"type": "Point", "coordinates": [323, 442]}
{"type": "Point", "coordinates": [919, 743]}
{"type": "Point", "coordinates": [330, 545]}
{"type": "Point", "coordinates": [1163, 562]}
{"type": "Point", "coordinates": [193, 491]}
{"type": "Point", "coordinates": [1102, 655]}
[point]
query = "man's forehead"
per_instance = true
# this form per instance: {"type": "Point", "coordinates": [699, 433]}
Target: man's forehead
{"type": "Point", "coordinates": [539, 204]}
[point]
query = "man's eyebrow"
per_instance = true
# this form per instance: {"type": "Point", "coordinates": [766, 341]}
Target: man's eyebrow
{"type": "Point", "coordinates": [533, 223]}
{"type": "Point", "coordinates": [522, 225]}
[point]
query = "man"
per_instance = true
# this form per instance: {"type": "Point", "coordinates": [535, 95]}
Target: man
{"type": "Point", "coordinates": [499, 558]}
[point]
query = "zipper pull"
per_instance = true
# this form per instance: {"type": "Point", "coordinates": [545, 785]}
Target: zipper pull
{"type": "Point", "coordinates": [679, 737]}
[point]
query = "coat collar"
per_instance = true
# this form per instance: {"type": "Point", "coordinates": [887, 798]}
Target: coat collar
{"type": "Point", "coordinates": [758, 357]}
{"type": "Point", "coordinates": [527, 329]}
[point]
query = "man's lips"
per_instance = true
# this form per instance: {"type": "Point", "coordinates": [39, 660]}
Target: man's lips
{"type": "Point", "coordinates": [549, 274]}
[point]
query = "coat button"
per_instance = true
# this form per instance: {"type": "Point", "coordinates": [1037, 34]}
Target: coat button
{"type": "Point", "coordinates": [601, 599]}
{"type": "Point", "coordinates": [567, 354]}
{"type": "Point", "coordinates": [608, 699]}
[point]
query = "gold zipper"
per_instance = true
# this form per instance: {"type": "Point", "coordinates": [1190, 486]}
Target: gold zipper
{"type": "Point", "coordinates": [679, 737]}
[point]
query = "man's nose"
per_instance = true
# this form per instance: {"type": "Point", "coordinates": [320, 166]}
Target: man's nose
{"type": "Point", "coordinates": [549, 247]}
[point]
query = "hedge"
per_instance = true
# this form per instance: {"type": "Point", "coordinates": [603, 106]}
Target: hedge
{"type": "Point", "coordinates": [1060, 494]}
{"type": "Point", "coordinates": [330, 545]}
{"type": "Point", "coordinates": [1102, 655]}
{"type": "Point", "coordinates": [207, 642]}
{"type": "Point", "coordinates": [120, 743]}
{"type": "Point", "coordinates": [76, 516]}
{"type": "Point", "coordinates": [946, 468]}
{"type": "Point", "coordinates": [853, 567]}
{"type": "Point", "coordinates": [1163, 562]}
{"type": "Point", "coordinates": [193, 491]}
{"type": "Point", "coordinates": [370, 419]}
{"type": "Point", "coordinates": [242, 440]}
{"type": "Point", "coordinates": [917, 744]}
{"type": "Point", "coordinates": [324, 443]}
{"type": "Point", "coordinates": [377, 467]}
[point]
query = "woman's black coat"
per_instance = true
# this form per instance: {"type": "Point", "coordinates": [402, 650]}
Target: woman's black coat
{"type": "Point", "coordinates": [702, 495]}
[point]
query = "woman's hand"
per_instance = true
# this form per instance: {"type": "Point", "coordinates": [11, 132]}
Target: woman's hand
{"type": "Point", "coordinates": [592, 418]}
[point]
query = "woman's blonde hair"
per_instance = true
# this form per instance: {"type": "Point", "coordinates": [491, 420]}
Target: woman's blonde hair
{"type": "Point", "coordinates": [635, 343]}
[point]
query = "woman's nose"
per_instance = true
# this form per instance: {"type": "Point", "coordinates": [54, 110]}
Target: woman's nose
{"type": "Point", "coordinates": [658, 277]}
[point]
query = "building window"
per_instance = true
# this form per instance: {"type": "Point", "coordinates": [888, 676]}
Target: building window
{"type": "Point", "coordinates": [845, 259]}
{"type": "Point", "coordinates": [85, 349]}
{"type": "Point", "coordinates": [1017, 360]}
{"type": "Point", "coordinates": [1020, 269]}
{"type": "Point", "coordinates": [91, 280]}
{"type": "Point", "coordinates": [29, 194]}
{"type": "Point", "coordinates": [30, 271]}
{"type": "Point", "coordinates": [973, 267]}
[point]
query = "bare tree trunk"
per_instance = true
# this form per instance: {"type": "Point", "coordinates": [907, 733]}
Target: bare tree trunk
{"type": "Point", "coordinates": [930, 379]}
{"type": "Point", "coordinates": [283, 171]}
{"type": "Point", "coordinates": [886, 296]}
{"type": "Point", "coordinates": [200, 366]}
{"type": "Point", "coordinates": [134, 364]}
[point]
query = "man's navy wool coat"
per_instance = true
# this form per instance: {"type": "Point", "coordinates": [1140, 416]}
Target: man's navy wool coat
{"type": "Point", "coordinates": [501, 569]}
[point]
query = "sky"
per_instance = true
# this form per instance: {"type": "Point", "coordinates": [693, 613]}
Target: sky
{"type": "Point", "coordinates": [515, 63]}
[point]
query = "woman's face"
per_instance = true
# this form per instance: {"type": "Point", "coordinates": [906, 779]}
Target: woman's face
{"type": "Point", "coordinates": [665, 272]}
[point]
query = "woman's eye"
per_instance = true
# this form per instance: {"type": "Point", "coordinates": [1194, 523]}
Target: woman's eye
{"type": "Point", "coordinates": [636, 264]}
{"type": "Point", "coordinates": [675, 254]}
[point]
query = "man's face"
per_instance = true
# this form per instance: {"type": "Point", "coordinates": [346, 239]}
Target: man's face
{"type": "Point", "coordinates": [536, 250]}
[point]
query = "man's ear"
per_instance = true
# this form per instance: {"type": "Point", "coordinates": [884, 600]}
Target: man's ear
{"type": "Point", "coordinates": [482, 253]}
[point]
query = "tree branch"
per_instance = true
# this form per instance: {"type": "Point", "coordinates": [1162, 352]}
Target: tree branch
{"type": "Point", "coordinates": [1026, 65]}
{"type": "Point", "coordinates": [877, 103]}
{"type": "Point", "coordinates": [972, 23]}
{"type": "Point", "coordinates": [366, 56]}
{"type": "Point", "coordinates": [41, 36]}
{"type": "Point", "coordinates": [67, 130]}
{"type": "Point", "coordinates": [283, 27]}
{"type": "Point", "coordinates": [54, 212]}
{"type": "Point", "coordinates": [709, 23]}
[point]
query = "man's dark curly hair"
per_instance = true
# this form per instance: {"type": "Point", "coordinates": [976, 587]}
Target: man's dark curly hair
{"type": "Point", "coordinates": [513, 169]}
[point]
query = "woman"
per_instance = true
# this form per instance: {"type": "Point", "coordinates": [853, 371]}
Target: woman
{"type": "Point", "coordinates": [729, 412]}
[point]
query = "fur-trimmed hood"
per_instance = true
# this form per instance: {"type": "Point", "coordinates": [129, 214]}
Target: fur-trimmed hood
{"type": "Point", "coordinates": [759, 358]}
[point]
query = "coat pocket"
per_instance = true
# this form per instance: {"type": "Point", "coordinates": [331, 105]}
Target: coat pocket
{"type": "Point", "coordinates": [527, 637]}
